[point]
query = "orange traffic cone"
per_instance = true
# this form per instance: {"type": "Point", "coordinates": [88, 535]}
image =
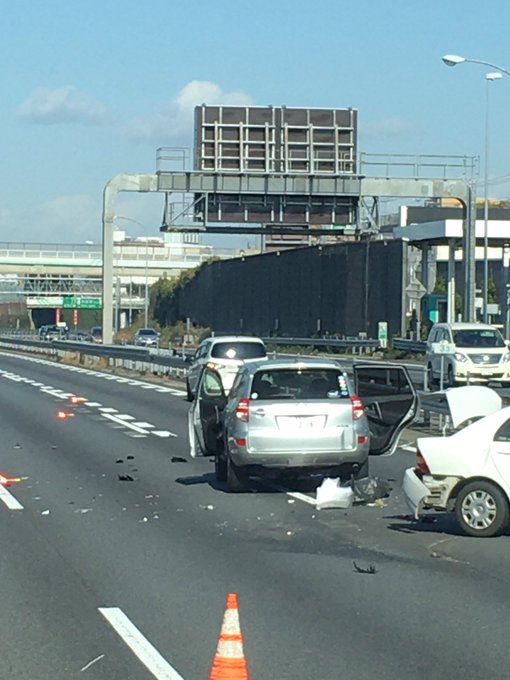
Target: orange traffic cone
{"type": "Point", "coordinates": [229, 661]}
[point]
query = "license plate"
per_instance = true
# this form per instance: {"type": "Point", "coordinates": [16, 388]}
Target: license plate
{"type": "Point", "coordinates": [289, 423]}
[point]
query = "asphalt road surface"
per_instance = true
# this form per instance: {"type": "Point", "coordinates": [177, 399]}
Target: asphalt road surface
{"type": "Point", "coordinates": [117, 552]}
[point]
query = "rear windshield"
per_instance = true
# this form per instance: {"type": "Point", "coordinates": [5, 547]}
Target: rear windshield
{"type": "Point", "coordinates": [487, 337]}
{"type": "Point", "coordinates": [302, 384]}
{"type": "Point", "coordinates": [238, 350]}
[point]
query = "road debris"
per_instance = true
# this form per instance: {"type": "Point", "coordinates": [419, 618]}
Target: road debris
{"type": "Point", "coordinates": [330, 494]}
{"type": "Point", "coordinates": [45, 512]}
{"type": "Point", "coordinates": [125, 478]}
{"type": "Point", "coordinates": [178, 459]}
{"type": "Point", "coordinates": [368, 570]}
{"type": "Point", "coordinates": [119, 460]}
{"type": "Point", "coordinates": [370, 489]}
{"type": "Point", "coordinates": [90, 663]}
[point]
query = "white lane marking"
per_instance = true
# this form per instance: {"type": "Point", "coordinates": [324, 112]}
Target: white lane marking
{"type": "Point", "coordinates": [163, 433]}
{"type": "Point", "coordinates": [136, 436]}
{"type": "Point", "coordinates": [293, 494]}
{"type": "Point", "coordinates": [148, 387]}
{"type": "Point", "coordinates": [94, 404]}
{"type": "Point", "coordinates": [9, 500]}
{"type": "Point", "coordinates": [124, 416]}
{"type": "Point", "coordinates": [143, 424]}
{"type": "Point", "coordinates": [108, 409]}
{"type": "Point", "coordinates": [302, 497]}
{"type": "Point", "coordinates": [138, 643]}
{"type": "Point", "coordinates": [131, 426]}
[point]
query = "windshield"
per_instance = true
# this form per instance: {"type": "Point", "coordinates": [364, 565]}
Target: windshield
{"type": "Point", "coordinates": [302, 384]}
{"type": "Point", "coordinates": [478, 337]}
{"type": "Point", "coordinates": [147, 331]}
{"type": "Point", "coordinates": [238, 350]}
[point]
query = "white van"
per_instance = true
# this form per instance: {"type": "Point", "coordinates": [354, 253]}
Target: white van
{"type": "Point", "coordinates": [477, 353]}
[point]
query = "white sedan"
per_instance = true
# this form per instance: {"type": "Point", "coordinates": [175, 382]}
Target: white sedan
{"type": "Point", "coordinates": [467, 472]}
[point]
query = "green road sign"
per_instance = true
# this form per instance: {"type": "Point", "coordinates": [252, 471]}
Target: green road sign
{"type": "Point", "coordinates": [73, 302]}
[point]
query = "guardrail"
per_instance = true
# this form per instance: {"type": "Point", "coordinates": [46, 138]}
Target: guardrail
{"type": "Point", "coordinates": [353, 344]}
{"type": "Point", "coordinates": [409, 345]}
{"type": "Point", "coordinates": [141, 359]}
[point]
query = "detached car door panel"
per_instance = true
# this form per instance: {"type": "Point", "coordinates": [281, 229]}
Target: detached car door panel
{"type": "Point", "coordinates": [390, 400]}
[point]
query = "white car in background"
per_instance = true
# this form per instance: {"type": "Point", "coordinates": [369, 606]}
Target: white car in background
{"type": "Point", "coordinates": [224, 353]}
{"type": "Point", "coordinates": [468, 472]}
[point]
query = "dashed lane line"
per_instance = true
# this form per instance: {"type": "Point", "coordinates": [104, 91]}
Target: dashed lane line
{"type": "Point", "coordinates": [131, 426]}
{"type": "Point", "coordinates": [139, 645]}
{"type": "Point", "coordinates": [9, 500]}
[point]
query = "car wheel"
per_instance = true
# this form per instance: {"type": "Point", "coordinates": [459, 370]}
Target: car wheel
{"type": "Point", "coordinates": [235, 482]}
{"type": "Point", "coordinates": [362, 471]}
{"type": "Point", "coordinates": [189, 393]}
{"type": "Point", "coordinates": [220, 468]}
{"type": "Point", "coordinates": [482, 509]}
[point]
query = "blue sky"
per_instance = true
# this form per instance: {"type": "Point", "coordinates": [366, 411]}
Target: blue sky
{"type": "Point", "coordinates": [90, 89]}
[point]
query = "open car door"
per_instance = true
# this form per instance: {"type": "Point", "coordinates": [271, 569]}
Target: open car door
{"type": "Point", "coordinates": [390, 401]}
{"type": "Point", "coordinates": [205, 422]}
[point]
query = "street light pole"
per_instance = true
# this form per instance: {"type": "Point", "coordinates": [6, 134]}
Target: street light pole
{"type": "Point", "coordinates": [488, 79]}
{"type": "Point", "coordinates": [453, 60]}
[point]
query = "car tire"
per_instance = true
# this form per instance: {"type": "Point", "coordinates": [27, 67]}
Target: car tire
{"type": "Point", "coordinates": [482, 509]}
{"type": "Point", "coordinates": [220, 468]}
{"type": "Point", "coordinates": [362, 471]}
{"type": "Point", "coordinates": [189, 393]}
{"type": "Point", "coordinates": [235, 481]}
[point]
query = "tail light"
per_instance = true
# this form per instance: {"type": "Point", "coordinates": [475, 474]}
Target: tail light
{"type": "Point", "coordinates": [357, 408]}
{"type": "Point", "coordinates": [243, 410]}
{"type": "Point", "coordinates": [421, 463]}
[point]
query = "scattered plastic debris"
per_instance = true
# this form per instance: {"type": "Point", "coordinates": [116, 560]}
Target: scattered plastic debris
{"type": "Point", "coordinates": [17, 446]}
{"type": "Point", "coordinates": [82, 511]}
{"type": "Point", "coordinates": [204, 507]}
{"type": "Point", "coordinates": [45, 512]}
{"type": "Point", "coordinates": [330, 494]}
{"type": "Point", "coordinates": [119, 460]}
{"type": "Point", "coordinates": [144, 519]}
{"type": "Point", "coordinates": [368, 570]}
{"type": "Point", "coordinates": [178, 459]}
{"type": "Point", "coordinates": [149, 496]}
{"type": "Point", "coordinates": [291, 500]}
{"type": "Point", "coordinates": [289, 533]}
{"type": "Point", "coordinates": [87, 666]}
{"type": "Point", "coordinates": [130, 457]}
{"type": "Point", "coordinates": [125, 478]}
{"type": "Point", "coordinates": [370, 489]}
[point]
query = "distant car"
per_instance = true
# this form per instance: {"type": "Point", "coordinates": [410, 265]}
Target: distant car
{"type": "Point", "coordinates": [51, 332]}
{"type": "Point", "coordinates": [227, 353]}
{"type": "Point", "coordinates": [475, 353]}
{"type": "Point", "coordinates": [286, 416]}
{"type": "Point", "coordinates": [467, 472]}
{"type": "Point", "coordinates": [96, 334]}
{"type": "Point", "coordinates": [146, 337]}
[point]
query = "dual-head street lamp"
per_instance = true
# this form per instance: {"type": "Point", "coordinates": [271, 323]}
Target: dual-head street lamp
{"type": "Point", "coordinates": [453, 60]}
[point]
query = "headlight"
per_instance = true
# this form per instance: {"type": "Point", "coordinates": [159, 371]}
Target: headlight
{"type": "Point", "coordinates": [460, 357]}
{"type": "Point", "coordinates": [506, 357]}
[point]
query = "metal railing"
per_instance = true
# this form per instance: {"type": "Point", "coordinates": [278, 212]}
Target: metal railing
{"type": "Point", "coordinates": [353, 344]}
{"type": "Point", "coordinates": [406, 345]}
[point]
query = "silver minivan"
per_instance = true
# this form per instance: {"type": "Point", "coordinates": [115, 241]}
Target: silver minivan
{"type": "Point", "coordinates": [299, 416]}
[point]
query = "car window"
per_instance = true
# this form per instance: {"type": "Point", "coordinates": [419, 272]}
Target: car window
{"type": "Point", "coordinates": [302, 384]}
{"type": "Point", "coordinates": [503, 434]}
{"type": "Point", "coordinates": [211, 384]}
{"type": "Point", "coordinates": [478, 337]}
{"type": "Point", "coordinates": [238, 350]}
{"type": "Point", "coordinates": [388, 381]}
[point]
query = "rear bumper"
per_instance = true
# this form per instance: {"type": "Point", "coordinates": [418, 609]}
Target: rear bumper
{"type": "Point", "coordinates": [297, 459]}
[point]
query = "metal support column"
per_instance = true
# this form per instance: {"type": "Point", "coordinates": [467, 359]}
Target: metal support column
{"type": "Point", "coordinates": [450, 299]}
{"type": "Point", "coordinates": [469, 256]}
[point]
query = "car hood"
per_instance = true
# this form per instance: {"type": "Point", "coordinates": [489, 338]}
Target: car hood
{"type": "Point", "coordinates": [471, 401]}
